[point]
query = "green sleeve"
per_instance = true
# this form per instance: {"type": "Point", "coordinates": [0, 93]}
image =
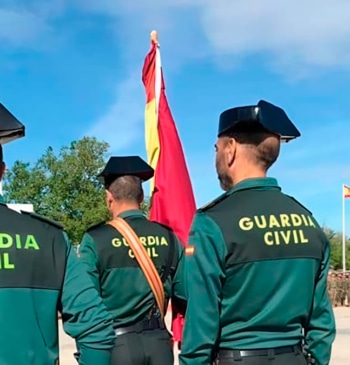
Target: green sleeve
{"type": "Point", "coordinates": [205, 272]}
{"type": "Point", "coordinates": [84, 316]}
{"type": "Point", "coordinates": [179, 276]}
{"type": "Point", "coordinates": [320, 330]}
{"type": "Point", "coordinates": [88, 255]}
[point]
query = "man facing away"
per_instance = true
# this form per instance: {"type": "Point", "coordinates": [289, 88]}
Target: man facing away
{"type": "Point", "coordinates": [142, 338]}
{"type": "Point", "coordinates": [257, 261]}
{"type": "Point", "coordinates": [39, 276]}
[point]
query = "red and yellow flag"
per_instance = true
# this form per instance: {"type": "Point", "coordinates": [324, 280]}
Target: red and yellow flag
{"type": "Point", "coordinates": [173, 202]}
{"type": "Point", "coordinates": [172, 198]}
{"type": "Point", "coordinates": [346, 191]}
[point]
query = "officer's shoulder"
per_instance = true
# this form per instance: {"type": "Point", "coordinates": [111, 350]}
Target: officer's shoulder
{"type": "Point", "coordinates": [214, 203]}
{"type": "Point", "coordinates": [42, 219]}
{"type": "Point", "coordinates": [96, 226]}
{"type": "Point", "coordinates": [298, 202]}
{"type": "Point", "coordinates": [163, 226]}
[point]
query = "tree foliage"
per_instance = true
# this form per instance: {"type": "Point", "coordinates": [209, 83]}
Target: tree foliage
{"type": "Point", "coordinates": [63, 187]}
{"type": "Point", "coordinates": [336, 240]}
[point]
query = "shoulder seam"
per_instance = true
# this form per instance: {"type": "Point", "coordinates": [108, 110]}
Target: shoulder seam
{"type": "Point", "coordinates": [43, 219]}
{"type": "Point", "coordinates": [163, 226]}
{"type": "Point", "coordinates": [296, 201]}
{"type": "Point", "coordinates": [213, 203]}
{"type": "Point", "coordinates": [95, 226]}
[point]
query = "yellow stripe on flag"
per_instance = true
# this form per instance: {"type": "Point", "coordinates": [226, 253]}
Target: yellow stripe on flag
{"type": "Point", "coordinates": [152, 78]}
{"type": "Point", "coordinates": [189, 250]}
{"type": "Point", "coordinates": [152, 136]}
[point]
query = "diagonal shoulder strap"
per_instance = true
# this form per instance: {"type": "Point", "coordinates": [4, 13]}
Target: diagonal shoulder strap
{"type": "Point", "coordinates": [143, 259]}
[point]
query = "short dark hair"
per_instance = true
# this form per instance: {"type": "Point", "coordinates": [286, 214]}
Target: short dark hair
{"type": "Point", "coordinates": [264, 151]}
{"type": "Point", "coordinates": [127, 188]}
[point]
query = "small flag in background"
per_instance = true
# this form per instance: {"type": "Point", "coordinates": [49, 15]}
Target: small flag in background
{"type": "Point", "coordinates": [346, 191]}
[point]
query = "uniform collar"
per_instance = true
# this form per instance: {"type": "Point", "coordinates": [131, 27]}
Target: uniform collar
{"type": "Point", "coordinates": [2, 200]}
{"type": "Point", "coordinates": [263, 183]}
{"type": "Point", "coordinates": [131, 213]}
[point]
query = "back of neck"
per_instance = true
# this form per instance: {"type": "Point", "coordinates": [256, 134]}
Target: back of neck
{"type": "Point", "coordinates": [123, 207]}
{"type": "Point", "coordinates": [249, 172]}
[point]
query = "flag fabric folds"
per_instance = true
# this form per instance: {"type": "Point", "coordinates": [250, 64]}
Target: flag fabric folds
{"type": "Point", "coordinates": [172, 198]}
{"type": "Point", "coordinates": [346, 191]}
{"type": "Point", "coordinates": [173, 202]}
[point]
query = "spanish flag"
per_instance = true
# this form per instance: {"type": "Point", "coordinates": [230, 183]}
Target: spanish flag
{"type": "Point", "coordinates": [346, 191]}
{"type": "Point", "coordinates": [172, 198]}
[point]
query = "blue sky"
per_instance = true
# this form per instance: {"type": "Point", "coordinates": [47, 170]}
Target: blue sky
{"type": "Point", "coordinates": [73, 68]}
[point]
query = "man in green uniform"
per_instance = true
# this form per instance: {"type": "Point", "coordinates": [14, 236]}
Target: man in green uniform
{"type": "Point", "coordinates": [39, 276]}
{"type": "Point", "coordinates": [141, 335]}
{"type": "Point", "coordinates": [257, 261]}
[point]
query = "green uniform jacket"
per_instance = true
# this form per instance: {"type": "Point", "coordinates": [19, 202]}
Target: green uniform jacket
{"type": "Point", "coordinates": [117, 275]}
{"type": "Point", "coordinates": [256, 268]}
{"type": "Point", "coordinates": [39, 275]}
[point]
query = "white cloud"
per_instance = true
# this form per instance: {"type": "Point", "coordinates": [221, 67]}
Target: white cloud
{"type": "Point", "coordinates": [28, 24]}
{"type": "Point", "coordinates": [19, 28]}
{"type": "Point", "coordinates": [324, 145]}
{"type": "Point", "coordinates": [295, 34]}
{"type": "Point", "coordinates": [175, 20]}
{"type": "Point", "coordinates": [122, 123]}
{"type": "Point", "coordinates": [317, 157]}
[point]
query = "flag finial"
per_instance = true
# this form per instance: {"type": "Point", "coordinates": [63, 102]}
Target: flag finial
{"type": "Point", "coordinates": [154, 36]}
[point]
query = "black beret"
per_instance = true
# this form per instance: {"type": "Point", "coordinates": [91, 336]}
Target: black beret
{"type": "Point", "coordinates": [123, 166]}
{"type": "Point", "coordinates": [253, 118]}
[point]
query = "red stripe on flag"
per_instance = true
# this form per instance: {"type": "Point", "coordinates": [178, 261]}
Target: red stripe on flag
{"type": "Point", "coordinates": [149, 73]}
{"type": "Point", "coordinates": [173, 202]}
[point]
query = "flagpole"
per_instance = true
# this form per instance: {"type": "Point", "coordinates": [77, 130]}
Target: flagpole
{"type": "Point", "coordinates": [343, 215]}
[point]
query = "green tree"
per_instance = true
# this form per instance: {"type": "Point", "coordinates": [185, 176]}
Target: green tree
{"type": "Point", "coordinates": [145, 206]}
{"type": "Point", "coordinates": [63, 187]}
{"type": "Point", "coordinates": [336, 239]}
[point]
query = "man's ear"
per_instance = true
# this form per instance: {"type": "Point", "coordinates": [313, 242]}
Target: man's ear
{"type": "Point", "coordinates": [109, 199]}
{"type": "Point", "coordinates": [230, 151]}
{"type": "Point", "coordinates": [142, 197]}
